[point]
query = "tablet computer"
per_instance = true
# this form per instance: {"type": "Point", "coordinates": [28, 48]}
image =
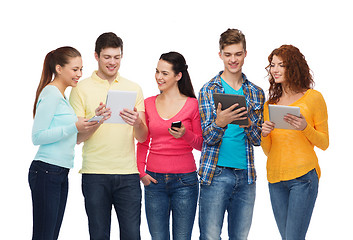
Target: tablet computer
{"type": "Point", "coordinates": [228, 100]}
{"type": "Point", "coordinates": [277, 113]}
{"type": "Point", "coordinates": [117, 101]}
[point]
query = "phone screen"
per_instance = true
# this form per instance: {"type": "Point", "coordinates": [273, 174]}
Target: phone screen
{"type": "Point", "coordinates": [96, 119]}
{"type": "Point", "coordinates": [176, 124]}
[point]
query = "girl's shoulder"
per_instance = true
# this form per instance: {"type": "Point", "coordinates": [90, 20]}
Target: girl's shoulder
{"type": "Point", "coordinates": [314, 95]}
{"type": "Point", "coordinates": [50, 91]}
{"type": "Point", "coordinates": [150, 100]}
{"type": "Point", "coordinates": [191, 104]}
{"type": "Point", "coordinates": [192, 101]}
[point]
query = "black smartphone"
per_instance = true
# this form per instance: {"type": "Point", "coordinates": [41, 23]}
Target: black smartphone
{"type": "Point", "coordinates": [176, 124]}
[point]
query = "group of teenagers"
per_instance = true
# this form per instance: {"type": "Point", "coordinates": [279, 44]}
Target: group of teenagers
{"type": "Point", "coordinates": [163, 161]}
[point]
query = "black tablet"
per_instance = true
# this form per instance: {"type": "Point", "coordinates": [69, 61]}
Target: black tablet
{"type": "Point", "coordinates": [228, 100]}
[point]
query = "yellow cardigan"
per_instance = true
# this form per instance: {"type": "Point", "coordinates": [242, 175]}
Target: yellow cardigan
{"type": "Point", "coordinates": [290, 153]}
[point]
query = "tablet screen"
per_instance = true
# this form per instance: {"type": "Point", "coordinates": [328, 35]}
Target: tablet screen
{"type": "Point", "coordinates": [228, 100]}
{"type": "Point", "coordinates": [117, 101]}
{"type": "Point", "coordinates": [277, 113]}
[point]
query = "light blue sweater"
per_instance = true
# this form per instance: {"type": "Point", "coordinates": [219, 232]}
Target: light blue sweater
{"type": "Point", "coordinates": [54, 128]}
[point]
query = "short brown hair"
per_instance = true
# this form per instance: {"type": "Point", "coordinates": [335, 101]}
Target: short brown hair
{"type": "Point", "coordinates": [231, 36]}
{"type": "Point", "coordinates": [108, 40]}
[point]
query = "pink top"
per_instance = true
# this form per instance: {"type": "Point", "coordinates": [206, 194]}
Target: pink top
{"type": "Point", "coordinates": [166, 153]}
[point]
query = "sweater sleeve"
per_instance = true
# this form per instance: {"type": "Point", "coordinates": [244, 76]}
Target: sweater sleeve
{"type": "Point", "coordinates": [317, 132]}
{"type": "Point", "coordinates": [194, 137]}
{"type": "Point", "coordinates": [142, 150]}
{"type": "Point", "coordinates": [42, 132]}
{"type": "Point", "coordinates": [141, 155]}
{"type": "Point", "coordinates": [266, 142]}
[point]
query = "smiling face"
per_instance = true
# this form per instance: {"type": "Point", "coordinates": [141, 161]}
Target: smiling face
{"type": "Point", "coordinates": [71, 72]}
{"type": "Point", "coordinates": [233, 57]}
{"type": "Point", "coordinates": [277, 69]}
{"type": "Point", "coordinates": [165, 76]}
{"type": "Point", "coordinates": [108, 63]}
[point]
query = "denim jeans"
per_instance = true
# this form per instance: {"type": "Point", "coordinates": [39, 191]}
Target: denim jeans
{"type": "Point", "coordinates": [49, 187]}
{"type": "Point", "coordinates": [176, 193]}
{"type": "Point", "coordinates": [293, 203]}
{"type": "Point", "coordinates": [101, 192]}
{"type": "Point", "coordinates": [229, 191]}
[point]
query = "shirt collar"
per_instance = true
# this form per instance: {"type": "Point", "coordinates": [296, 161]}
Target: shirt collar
{"type": "Point", "coordinates": [97, 78]}
{"type": "Point", "coordinates": [217, 79]}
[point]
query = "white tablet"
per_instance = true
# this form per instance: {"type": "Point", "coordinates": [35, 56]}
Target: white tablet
{"type": "Point", "coordinates": [117, 101]}
{"type": "Point", "coordinates": [277, 113]}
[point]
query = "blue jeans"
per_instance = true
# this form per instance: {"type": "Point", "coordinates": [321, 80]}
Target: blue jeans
{"type": "Point", "coordinates": [101, 192]}
{"type": "Point", "coordinates": [293, 203]}
{"type": "Point", "coordinates": [176, 193]}
{"type": "Point", "coordinates": [229, 191]}
{"type": "Point", "coordinates": [49, 187]}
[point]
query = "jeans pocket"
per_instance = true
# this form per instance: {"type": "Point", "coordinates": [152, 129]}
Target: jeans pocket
{"type": "Point", "coordinates": [217, 172]}
{"type": "Point", "coordinates": [152, 184]}
{"type": "Point", "coordinates": [189, 179]}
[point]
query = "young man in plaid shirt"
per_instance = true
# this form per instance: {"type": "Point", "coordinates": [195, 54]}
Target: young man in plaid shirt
{"type": "Point", "coordinates": [227, 170]}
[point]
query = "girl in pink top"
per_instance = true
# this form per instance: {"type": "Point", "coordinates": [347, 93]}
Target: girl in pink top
{"type": "Point", "coordinates": [169, 175]}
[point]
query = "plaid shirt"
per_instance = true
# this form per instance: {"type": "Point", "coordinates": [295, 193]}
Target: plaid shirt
{"type": "Point", "coordinates": [212, 134]}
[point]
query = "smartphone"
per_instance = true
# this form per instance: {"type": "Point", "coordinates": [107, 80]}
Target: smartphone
{"type": "Point", "coordinates": [176, 124]}
{"type": "Point", "coordinates": [96, 119]}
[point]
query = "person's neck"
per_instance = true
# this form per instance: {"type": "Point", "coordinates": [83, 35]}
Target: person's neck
{"type": "Point", "coordinates": [101, 75]}
{"type": "Point", "coordinates": [235, 80]}
{"type": "Point", "coordinates": [60, 85]}
{"type": "Point", "coordinates": [171, 95]}
{"type": "Point", "coordinates": [288, 96]}
{"type": "Point", "coordinates": [286, 91]}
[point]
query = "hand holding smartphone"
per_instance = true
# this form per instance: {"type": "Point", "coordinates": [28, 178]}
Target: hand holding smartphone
{"type": "Point", "coordinates": [177, 129]}
{"type": "Point", "coordinates": [96, 119]}
{"type": "Point", "coordinates": [176, 124]}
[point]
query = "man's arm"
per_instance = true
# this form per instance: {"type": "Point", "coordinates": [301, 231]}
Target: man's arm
{"type": "Point", "coordinates": [212, 134]}
{"type": "Point", "coordinates": [253, 130]}
{"type": "Point", "coordinates": [214, 126]}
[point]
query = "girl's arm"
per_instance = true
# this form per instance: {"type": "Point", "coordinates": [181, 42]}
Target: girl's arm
{"type": "Point", "coordinates": [194, 137]}
{"type": "Point", "coordinates": [42, 133]}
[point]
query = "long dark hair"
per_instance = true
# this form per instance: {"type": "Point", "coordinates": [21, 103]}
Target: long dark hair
{"type": "Point", "coordinates": [179, 65]}
{"type": "Point", "coordinates": [60, 56]}
{"type": "Point", "coordinates": [297, 72]}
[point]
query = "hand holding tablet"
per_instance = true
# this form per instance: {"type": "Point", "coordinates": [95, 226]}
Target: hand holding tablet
{"type": "Point", "coordinates": [285, 117]}
{"type": "Point", "coordinates": [117, 101]}
{"type": "Point", "coordinates": [237, 112]}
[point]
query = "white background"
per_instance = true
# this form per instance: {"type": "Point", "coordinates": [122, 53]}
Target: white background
{"type": "Point", "coordinates": [320, 29]}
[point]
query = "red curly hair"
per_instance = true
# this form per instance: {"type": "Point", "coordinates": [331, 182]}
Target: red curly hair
{"type": "Point", "coordinates": [297, 72]}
